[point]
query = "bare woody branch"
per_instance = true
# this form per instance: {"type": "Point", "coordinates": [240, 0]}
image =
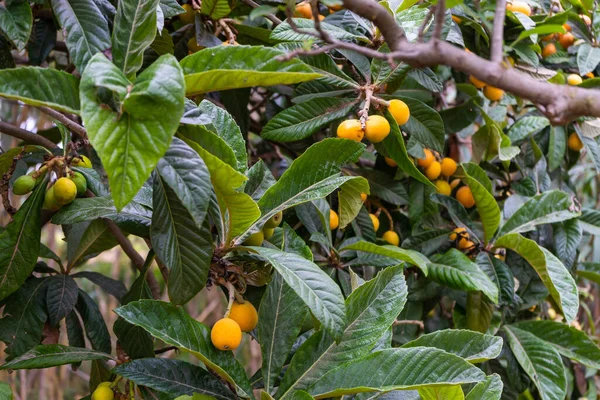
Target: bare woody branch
{"type": "Point", "coordinates": [498, 33]}
{"type": "Point", "coordinates": [26, 136]}
{"type": "Point", "coordinates": [440, 16]}
{"type": "Point", "coordinates": [66, 121]}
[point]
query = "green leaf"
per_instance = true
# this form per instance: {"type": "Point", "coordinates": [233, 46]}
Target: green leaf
{"type": "Point", "coordinates": [545, 208]}
{"type": "Point", "coordinates": [552, 272]}
{"type": "Point", "coordinates": [424, 125]}
{"type": "Point", "coordinates": [92, 239]}
{"type": "Point", "coordinates": [590, 221]}
{"type": "Point", "coordinates": [487, 207]}
{"type": "Point", "coordinates": [393, 145]}
{"type": "Point", "coordinates": [93, 321]}
{"type": "Point", "coordinates": [500, 274]}
{"type": "Point", "coordinates": [540, 30]}
{"type": "Point", "coordinates": [134, 30]}
{"type": "Point", "coordinates": [488, 389]}
{"type": "Point", "coordinates": [171, 8]}
{"type": "Point", "coordinates": [20, 242]}
{"type": "Point", "coordinates": [175, 327]}
{"type": "Point", "coordinates": [86, 29]}
{"type": "Point", "coordinates": [384, 186]}
{"type": "Point", "coordinates": [318, 291]}
{"type": "Point", "coordinates": [16, 21]}
{"type": "Point", "coordinates": [376, 303]}
{"type": "Point", "coordinates": [588, 58]}
{"type": "Point", "coordinates": [474, 347]}
{"type": "Point", "coordinates": [527, 126]}
{"type": "Point", "coordinates": [23, 318]}
{"type": "Point", "coordinates": [313, 175]}
{"type": "Point", "coordinates": [479, 312]}
{"type": "Point", "coordinates": [210, 141]}
{"type": "Point", "coordinates": [182, 243]}
{"type": "Point", "coordinates": [61, 297]}
{"type": "Point", "coordinates": [302, 120]}
{"type": "Point", "coordinates": [285, 33]}
{"type": "Point", "coordinates": [52, 355]}
{"type": "Point", "coordinates": [459, 272]}
{"type": "Point", "coordinates": [557, 147]}
{"type": "Point", "coordinates": [233, 67]}
{"type": "Point", "coordinates": [174, 377]}
{"type": "Point", "coordinates": [280, 317]}
{"type": "Point", "coordinates": [215, 9]}
{"type": "Point", "coordinates": [541, 362]}
{"type": "Point", "coordinates": [589, 271]}
{"type": "Point", "coordinates": [441, 392]}
{"type": "Point", "coordinates": [130, 142]}
{"type": "Point", "coordinates": [349, 200]}
{"type": "Point", "coordinates": [5, 391]}
{"type": "Point", "coordinates": [238, 210]}
{"type": "Point", "coordinates": [260, 179]}
{"type": "Point", "coordinates": [397, 369]}
{"type": "Point", "coordinates": [569, 341]}
{"type": "Point", "coordinates": [409, 256]}
{"type": "Point", "coordinates": [111, 286]}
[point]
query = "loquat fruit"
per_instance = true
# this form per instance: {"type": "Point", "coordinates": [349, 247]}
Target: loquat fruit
{"type": "Point", "coordinates": [23, 185]}
{"type": "Point", "coordinates": [80, 182]}
{"type": "Point", "coordinates": [189, 15]}
{"type": "Point", "coordinates": [363, 197]}
{"type": "Point", "coordinates": [103, 392]}
{"type": "Point", "coordinates": [493, 93]}
{"type": "Point", "coordinates": [476, 82]}
{"type": "Point", "coordinates": [334, 220]}
{"type": "Point", "coordinates": [574, 79]}
{"type": "Point", "coordinates": [566, 40]}
{"type": "Point", "coordinates": [519, 6]}
{"type": "Point", "coordinates": [443, 187]}
{"type": "Point", "coordinates": [548, 50]}
{"type": "Point", "coordinates": [304, 10]}
{"type": "Point", "coordinates": [226, 334]}
{"type": "Point", "coordinates": [429, 158]}
{"type": "Point", "coordinates": [245, 315]}
{"type": "Point", "coordinates": [465, 197]}
{"type": "Point", "coordinates": [390, 162]}
{"type": "Point", "coordinates": [274, 221]}
{"type": "Point", "coordinates": [377, 128]}
{"type": "Point", "coordinates": [351, 129]}
{"type": "Point", "coordinates": [448, 166]}
{"type": "Point", "coordinates": [458, 232]}
{"type": "Point", "coordinates": [391, 237]}
{"type": "Point", "coordinates": [433, 171]}
{"type": "Point", "coordinates": [256, 239]}
{"type": "Point", "coordinates": [65, 190]}
{"type": "Point", "coordinates": [375, 222]}
{"type": "Point", "coordinates": [268, 233]}
{"type": "Point", "coordinates": [399, 111]}
{"type": "Point", "coordinates": [574, 142]}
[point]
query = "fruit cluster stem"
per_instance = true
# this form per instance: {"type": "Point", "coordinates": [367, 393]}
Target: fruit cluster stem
{"type": "Point", "coordinates": [232, 296]}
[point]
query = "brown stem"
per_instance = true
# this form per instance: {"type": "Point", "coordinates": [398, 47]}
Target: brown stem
{"type": "Point", "coordinates": [276, 21]}
{"type": "Point", "coordinates": [409, 322]}
{"type": "Point", "coordinates": [231, 291]}
{"type": "Point", "coordinates": [498, 34]}
{"type": "Point", "coordinates": [63, 119]}
{"type": "Point", "coordinates": [26, 136]}
{"type": "Point", "coordinates": [440, 14]}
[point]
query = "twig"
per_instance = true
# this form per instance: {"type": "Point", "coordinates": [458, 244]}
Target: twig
{"type": "Point", "coordinates": [63, 119]}
{"type": "Point", "coordinates": [276, 21]}
{"type": "Point", "coordinates": [409, 322]}
{"type": "Point", "coordinates": [228, 32]}
{"type": "Point", "coordinates": [498, 33]}
{"type": "Point", "coordinates": [166, 349]}
{"type": "Point", "coordinates": [424, 24]}
{"type": "Point", "coordinates": [26, 136]}
{"type": "Point", "coordinates": [440, 14]}
{"type": "Point", "coordinates": [231, 291]}
{"type": "Point", "coordinates": [364, 112]}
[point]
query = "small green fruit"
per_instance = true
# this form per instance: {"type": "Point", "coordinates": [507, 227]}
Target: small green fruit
{"type": "Point", "coordinates": [23, 185]}
{"type": "Point", "coordinates": [255, 239]}
{"type": "Point", "coordinates": [65, 191]}
{"type": "Point", "coordinates": [50, 202]}
{"type": "Point", "coordinates": [82, 161]}
{"type": "Point", "coordinates": [80, 182]}
{"type": "Point", "coordinates": [268, 232]}
{"type": "Point", "coordinates": [274, 221]}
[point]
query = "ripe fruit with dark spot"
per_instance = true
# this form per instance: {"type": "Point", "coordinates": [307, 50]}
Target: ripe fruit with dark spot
{"type": "Point", "coordinates": [226, 334]}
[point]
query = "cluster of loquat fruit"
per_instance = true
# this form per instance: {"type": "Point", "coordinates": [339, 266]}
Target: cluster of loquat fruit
{"type": "Point", "coordinates": [63, 191]}
{"type": "Point", "coordinates": [256, 239]}
{"type": "Point", "coordinates": [104, 391]}
{"type": "Point", "coordinates": [226, 333]}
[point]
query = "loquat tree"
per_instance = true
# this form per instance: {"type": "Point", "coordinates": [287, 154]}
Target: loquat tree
{"type": "Point", "coordinates": [383, 200]}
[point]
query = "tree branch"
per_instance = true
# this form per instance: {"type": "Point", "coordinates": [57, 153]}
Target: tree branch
{"type": "Point", "coordinates": [26, 136]}
{"type": "Point", "coordinates": [440, 15]}
{"type": "Point", "coordinates": [498, 33]}
{"type": "Point", "coordinates": [63, 119]}
{"type": "Point", "coordinates": [276, 21]}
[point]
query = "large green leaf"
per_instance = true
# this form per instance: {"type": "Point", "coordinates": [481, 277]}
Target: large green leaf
{"type": "Point", "coordinates": [488, 389]}
{"type": "Point", "coordinates": [551, 270]}
{"type": "Point", "coordinates": [350, 201]}
{"type": "Point", "coordinates": [526, 126]}
{"type": "Point", "coordinates": [93, 320]}
{"type": "Point", "coordinates": [589, 271]}
{"type": "Point", "coordinates": [590, 220]}
{"type": "Point", "coordinates": [234, 67]}
{"type": "Point", "coordinates": [318, 291]}
{"type": "Point", "coordinates": [441, 392]}
{"type": "Point", "coordinates": [409, 256]}
{"type": "Point", "coordinates": [16, 21]}
{"type": "Point", "coordinates": [459, 272]}
{"type": "Point", "coordinates": [174, 377]}
{"type": "Point", "coordinates": [588, 58]}
{"type": "Point", "coordinates": [175, 327]}
{"type": "Point", "coordinates": [486, 204]}
{"type": "Point", "coordinates": [41, 87]}
{"type": "Point", "coordinates": [20, 242]}
{"type": "Point", "coordinates": [569, 341]}
{"type": "Point", "coordinates": [479, 312]}
{"type": "Point", "coordinates": [541, 362]}
{"type": "Point", "coordinates": [209, 141]}
{"type": "Point", "coordinates": [133, 32]}
{"type": "Point", "coordinates": [215, 9]}
{"type": "Point", "coordinates": [500, 274]}
{"type": "Point", "coordinates": [238, 210]}
{"type": "Point", "coordinates": [396, 369]}
{"type": "Point", "coordinates": [285, 32]}
{"type": "Point", "coordinates": [545, 208]}
{"type": "Point", "coordinates": [280, 319]}
{"type": "Point", "coordinates": [131, 138]}
{"type": "Point", "coordinates": [384, 186]}
{"type": "Point", "coordinates": [474, 347]}
{"type": "Point", "coordinates": [86, 29]}
{"type": "Point", "coordinates": [375, 304]}
{"type": "Point", "coordinates": [61, 297]}
{"type": "Point", "coordinates": [313, 175]}
{"type": "Point", "coordinates": [260, 179]}
{"type": "Point", "coordinates": [302, 120]}
{"type": "Point", "coordinates": [424, 125]}
{"type": "Point", "coordinates": [51, 355]}
{"type": "Point", "coordinates": [89, 239]}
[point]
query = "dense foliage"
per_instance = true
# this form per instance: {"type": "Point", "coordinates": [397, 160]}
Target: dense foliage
{"type": "Point", "coordinates": [381, 230]}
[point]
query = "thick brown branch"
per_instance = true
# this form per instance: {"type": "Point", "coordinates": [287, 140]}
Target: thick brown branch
{"type": "Point", "coordinates": [498, 34]}
{"type": "Point", "coordinates": [371, 10]}
{"type": "Point", "coordinates": [26, 136]}
{"type": "Point", "coordinates": [440, 16]}
{"type": "Point", "coordinates": [66, 121]}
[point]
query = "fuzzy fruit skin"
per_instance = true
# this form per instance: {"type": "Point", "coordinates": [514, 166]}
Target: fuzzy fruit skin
{"type": "Point", "coordinates": [334, 220]}
{"type": "Point", "coordinates": [566, 40]}
{"type": "Point", "coordinates": [23, 185]}
{"type": "Point", "coordinates": [399, 111]}
{"type": "Point", "coordinates": [303, 10]}
{"type": "Point", "coordinates": [375, 221]}
{"type": "Point", "coordinates": [493, 93]}
{"type": "Point", "coordinates": [519, 6]}
{"type": "Point", "coordinates": [476, 82]}
{"type": "Point", "coordinates": [448, 166]}
{"type": "Point", "coordinates": [82, 161]}
{"type": "Point", "coordinates": [464, 244]}
{"type": "Point", "coordinates": [574, 142]}
{"type": "Point", "coordinates": [465, 197]}
{"type": "Point", "coordinates": [433, 171]}
{"type": "Point", "coordinates": [351, 129]}
{"type": "Point", "coordinates": [376, 128]}
{"type": "Point", "coordinates": [268, 233]}
{"type": "Point", "coordinates": [391, 237]}
{"type": "Point", "coordinates": [80, 183]}
{"type": "Point", "coordinates": [548, 50]}
{"type": "Point", "coordinates": [189, 15]}
{"type": "Point", "coordinates": [65, 190]}
{"type": "Point", "coordinates": [103, 392]}
{"type": "Point", "coordinates": [50, 202]}
{"type": "Point", "coordinates": [390, 162]}
{"type": "Point", "coordinates": [255, 239]}
{"type": "Point", "coordinates": [429, 158]}
{"type": "Point", "coordinates": [458, 231]}
{"type": "Point", "coordinates": [574, 79]}
{"type": "Point", "coordinates": [274, 221]}
{"type": "Point", "coordinates": [226, 334]}
{"type": "Point", "coordinates": [443, 187]}
{"type": "Point", "coordinates": [245, 315]}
